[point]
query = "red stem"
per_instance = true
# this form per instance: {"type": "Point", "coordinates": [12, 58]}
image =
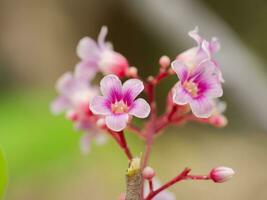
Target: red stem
{"type": "Point", "coordinates": [124, 145]}
{"type": "Point", "coordinates": [178, 178]}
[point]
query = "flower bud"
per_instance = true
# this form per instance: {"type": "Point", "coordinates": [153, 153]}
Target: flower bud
{"type": "Point", "coordinates": [100, 122]}
{"type": "Point", "coordinates": [148, 173]}
{"type": "Point", "coordinates": [132, 72]}
{"type": "Point", "coordinates": [221, 174]}
{"type": "Point", "coordinates": [218, 121]}
{"type": "Point", "coordinates": [164, 61]}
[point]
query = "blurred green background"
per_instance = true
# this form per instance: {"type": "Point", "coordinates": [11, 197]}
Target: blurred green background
{"type": "Point", "coordinates": [37, 44]}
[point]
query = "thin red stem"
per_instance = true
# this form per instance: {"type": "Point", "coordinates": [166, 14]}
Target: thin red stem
{"type": "Point", "coordinates": [151, 187]}
{"type": "Point", "coordinates": [124, 145]}
{"type": "Point", "coordinates": [178, 178]}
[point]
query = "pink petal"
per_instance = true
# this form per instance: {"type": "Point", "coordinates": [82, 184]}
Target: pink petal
{"type": "Point", "coordinates": [65, 84]}
{"type": "Point", "coordinates": [59, 105]}
{"type": "Point", "coordinates": [202, 107]}
{"type": "Point", "coordinates": [132, 87]}
{"type": "Point", "coordinates": [140, 108]}
{"type": "Point", "coordinates": [180, 69]}
{"type": "Point", "coordinates": [87, 49]}
{"type": "Point", "coordinates": [117, 122]}
{"type": "Point", "coordinates": [102, 36]}
{"type": "Point", "coordinates": [85, 70]}
{"type": "Point", "coordinates": [109, 84]}
{"type": "Point", "coordinates": [194, 34]}
{"type": "Point", "coordinates": [180, 96]}
{"type": "Point", "coordinates": [214, 89]}
{"type": "Point", "coordinates": [100, 106]}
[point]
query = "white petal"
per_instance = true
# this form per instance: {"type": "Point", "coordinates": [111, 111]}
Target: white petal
{"type": "Point", "coordinates": [100, 106]}
{"type": "Point", "coordinates": [110, 83]}
{"type": "Point", "coordinates": [117, 122]}
{"type": "Point", "coordinates": [180, 96]}
{"type": "Point", "coordinates": [181, 70]}
{"type": "Point", "coordinates": [132, 87]}
{"type": "Point", "coordinates": [87, 49]}
{"type": "Point", "coordinates": [140, 108]}
{"type": "Point", "coordinates": [202, 107]}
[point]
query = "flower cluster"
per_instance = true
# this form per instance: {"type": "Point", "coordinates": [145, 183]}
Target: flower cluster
{"type": "Point", "coordinates": [108, 110]}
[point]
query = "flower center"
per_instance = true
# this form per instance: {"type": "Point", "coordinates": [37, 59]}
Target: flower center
{"type": "Point", "coordinates": [191, 88]}
{"type": "Point", "coordinates": [119, 107]}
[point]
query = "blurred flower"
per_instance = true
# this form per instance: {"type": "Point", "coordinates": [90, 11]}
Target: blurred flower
{"type": "Point", "coordinates": [75, 93]}
{"type": "Point", "coordinates": [221, 174]}
{"type": "Point", "coordinates": [163, 195]}
{"type": "Point", "coordinates": [100, 56]}
{"type": "Point", "coordinates": [118, 102]}
{"type": "Point", "coordinates": [197, 87]}
{"type": "Point", "coordinates": [203, 51]}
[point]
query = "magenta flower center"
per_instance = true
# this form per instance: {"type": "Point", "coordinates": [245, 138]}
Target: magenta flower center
{"type": "Point", "coordinates": [119, 107]}
{"type": "Point", "coordinates": [191, 88]}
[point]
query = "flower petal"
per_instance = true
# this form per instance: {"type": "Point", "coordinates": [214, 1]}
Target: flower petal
{"type": "Point", "coordinates": [180, 96]}
{"type": "Point", "coordinates": [117, 122]}
{"type": "Point", "coordinates": [101, 38]}
{"type": "Point", "coordinates": [65, 84]}
{"type": "Point", "coordinates": [59, 105]}
{"type": "Point", "coordinates": [202, 107]}
{"type": "Point", "coordinates": [181, 70]}
{"type": "Point", "coordinates": [140, 108]}
{"type": "Point", "coordinates": [111, 86]}
{"type": "Point", "coordinates": [85, 70]}
{"type": "Point", "coordinates": [87, 49]}
{"type": "Point", "coordinates": [194, 34]}
{"type": "Point", "coordinates": [100, 106]}
{"type": "Point", "coordinates": [131, 89]}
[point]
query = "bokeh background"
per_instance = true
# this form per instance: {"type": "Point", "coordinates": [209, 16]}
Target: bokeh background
{"type": "Point", "coordinates": [37, 44]}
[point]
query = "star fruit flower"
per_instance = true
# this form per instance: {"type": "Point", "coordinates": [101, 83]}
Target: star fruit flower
{"type": "Point", "coordinates": [100, 56]}
{"type": "Point", "coordinates": [118, 102]}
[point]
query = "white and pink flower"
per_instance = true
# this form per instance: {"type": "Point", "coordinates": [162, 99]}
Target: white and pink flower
{"type": "Point", "coordinates": [75, 93]}
{"type": "Point", "coordinates": [221, 174]}
{"type": "Point", "coordinates": [197, 87]}
{"type": "Point", "coordinates": [203, 51]}
{"type": "Point", "coordinates": [118, 102]}
{"type": "Point", "coordinates": [100, 56]}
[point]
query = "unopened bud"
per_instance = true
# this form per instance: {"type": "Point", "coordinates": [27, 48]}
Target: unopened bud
{"type": "Point", "coordinates": [164, 61]}
{"type": "Point", "coordinates": [132, 72]}
{"type": "Point", "coordinates": [221, 174]}
{"type": "Point", "coordinates": [148, 173]}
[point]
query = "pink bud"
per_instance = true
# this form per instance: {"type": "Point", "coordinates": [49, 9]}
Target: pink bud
{"type": "Point", "coordinates": [132, 72]}
{"type": "Point", "coordinates": [164, 61]}
{"type": "Point", "coordinates": [221, 174]}
{"type": "Point", "coordinates": [148, 173]}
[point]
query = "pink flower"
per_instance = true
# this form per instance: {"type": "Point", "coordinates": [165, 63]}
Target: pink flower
{"type": "Point", "coordinates": [197, 87]}
{"type": "Point", "coordinates": [203, 51]}
{"type": "Point", "coordinates": [163, 195]}
{"type": "Point", "coordinates": [100, 56]}
{"type": "Point", "coordinates": [221, 174]}
{"type": "Point", "coordinates": [75, 93]}
{"type": "Point", "coordinates": [118, 102]}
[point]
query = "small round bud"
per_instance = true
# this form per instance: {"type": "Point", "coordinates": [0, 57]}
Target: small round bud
{"type": "Point", "coordinates": [148, 173]}
{"type": "Point", "coordinates": [100, 122]}
{"type": "Point", "coordinates": [132, 71]}
{"type": "Point", "coordinates": [72, 115]}
{"type": "Point", "coordinates": [164, 61]}
{"type": "Point", "coordinates": [221, 174]}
